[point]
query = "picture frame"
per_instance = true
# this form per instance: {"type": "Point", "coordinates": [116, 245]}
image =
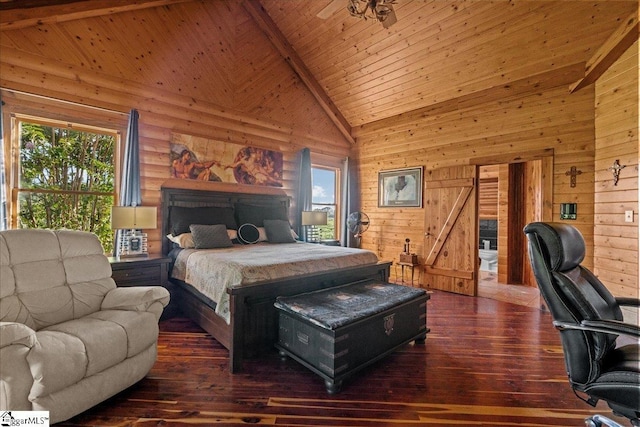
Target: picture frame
{"type": "Point", "coordinates": [400, 187]}
{"type": "Point", "coordinates": [133, 244]}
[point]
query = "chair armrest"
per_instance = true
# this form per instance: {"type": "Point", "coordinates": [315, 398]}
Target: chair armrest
{"type": "Point", "coordinates": [135, 298]}
{"type": "Point", "coordinates": [613, 327]}
{"type": "Point", "coordinates": [12, 333]}
{"type": "Point", "coordinates": [628, 301]}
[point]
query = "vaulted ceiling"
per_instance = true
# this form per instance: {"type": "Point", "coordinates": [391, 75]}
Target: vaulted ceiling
{"type": "Point", "coordinates": [438, 53]}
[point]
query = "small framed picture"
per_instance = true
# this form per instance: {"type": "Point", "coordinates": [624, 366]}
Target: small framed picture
{"type": "Point", "coordinates": [133, 244]}
{"type": "Point", "coordinates": [400, 188]}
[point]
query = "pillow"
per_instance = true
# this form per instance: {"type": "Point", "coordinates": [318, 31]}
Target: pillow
{"type": "Point", "coordinates": [184, 240]}
{"type": "Point", "coordinates": [210, 236]}
{"type": "Point", "coordinates": [248, 234]}
{"type": "Point", "coordinates": [278, 231]}
{"type": "Point", "coordinates": [262, 234]}
{"type": "Point", "coordinates": [182, 217]}
{"type": "Point", "coordinates": [255, 214]}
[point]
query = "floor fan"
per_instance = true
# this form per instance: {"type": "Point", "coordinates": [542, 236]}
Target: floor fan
{"type": "Point", "coordinates": [358, 223]}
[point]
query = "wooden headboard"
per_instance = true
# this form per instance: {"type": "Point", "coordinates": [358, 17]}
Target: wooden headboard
{"type": "Point", "coordinates": [212, 198]}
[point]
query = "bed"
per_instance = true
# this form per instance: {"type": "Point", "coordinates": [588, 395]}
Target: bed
{"type": "Point", "coordinates": [242, 316]}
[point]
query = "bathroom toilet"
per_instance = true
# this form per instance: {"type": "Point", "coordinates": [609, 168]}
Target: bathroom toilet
{"type": "Point", "coordinates": [488, 259]}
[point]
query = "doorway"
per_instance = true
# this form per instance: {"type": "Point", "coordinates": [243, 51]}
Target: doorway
{"type": "Point", "coordinates": [510, 195]}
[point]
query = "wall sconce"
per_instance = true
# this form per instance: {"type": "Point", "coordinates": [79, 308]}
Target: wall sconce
{"type": "Point", "coordinates": [133, 242]}
{"type": "Point", "coordinates": [310, 219]}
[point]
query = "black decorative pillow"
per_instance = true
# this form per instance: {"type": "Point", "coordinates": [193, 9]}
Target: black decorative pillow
{"type": "Point", "coordinates": [182, 217]}
{"type": "Point", "coordinates": [278, 231]}
{"type": "Point", "coordinates": [210, 236]}
{"type": "Point", "coordinates": [248, 234]}
{"type": "Point", "coordinates": [254, 214]}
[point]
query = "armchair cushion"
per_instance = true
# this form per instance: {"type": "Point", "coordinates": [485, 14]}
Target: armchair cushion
{"type": "Point", "coordinates": [12, 333]}
{"type": "Point", "coordinates": [138, 298]}
{"type": "Point", "coordinates": [56, 362]}
{"type": "Point", "coordinates": [16, 340]}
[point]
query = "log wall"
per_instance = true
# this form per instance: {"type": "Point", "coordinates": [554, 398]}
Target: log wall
{"type": "Point", "coordinates": [616, 241]}
{"type": "Point", "coordinates": [488, 192]}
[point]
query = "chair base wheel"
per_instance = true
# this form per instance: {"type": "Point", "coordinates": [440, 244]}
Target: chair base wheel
{"type": "Point", "coordinates": [599, 421]}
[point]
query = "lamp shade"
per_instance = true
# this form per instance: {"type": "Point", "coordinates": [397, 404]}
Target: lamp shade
{"type": "Point", "coordinates": [314, 218]}
{"type": "Point", "coordinates": [137, 217]}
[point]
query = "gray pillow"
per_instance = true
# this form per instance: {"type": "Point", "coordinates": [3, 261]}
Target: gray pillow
{"type": "Point", "coordinates": [278, 231]}
{"type": "Point", "coordinates": [210, 236]}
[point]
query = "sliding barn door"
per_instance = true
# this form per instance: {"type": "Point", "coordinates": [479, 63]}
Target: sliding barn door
{"type": "Point", "coordinates": [450, 241]}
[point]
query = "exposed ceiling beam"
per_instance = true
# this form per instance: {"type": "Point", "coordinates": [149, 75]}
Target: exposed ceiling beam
{"type": "Point", "coordinates": [621, 40]}
{"type": "Point", "coordinates": [18, 14]}
{"type": "Point", "coordinates": [273, 33]}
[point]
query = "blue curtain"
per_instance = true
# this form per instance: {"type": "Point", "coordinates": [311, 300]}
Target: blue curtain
{"type": "Point", "coordinates": [350, 202]}
{"type": "Point", "coordinates": [3, 195]}
{"type": "Point", "coordinates": [130, 194]}
{"type": "Point", "coordinates": [130, 178]}
{"type": "Point", "coordinates": [304, 202]}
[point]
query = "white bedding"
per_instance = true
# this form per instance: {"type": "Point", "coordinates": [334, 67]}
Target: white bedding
{"type": "Point", "coordinates": [212, 271]}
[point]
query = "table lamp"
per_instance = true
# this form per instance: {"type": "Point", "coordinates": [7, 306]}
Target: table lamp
{"type": "Point", "coordinates": [310, 219]}
{"type": "Point", "coordinates": [132, 219]}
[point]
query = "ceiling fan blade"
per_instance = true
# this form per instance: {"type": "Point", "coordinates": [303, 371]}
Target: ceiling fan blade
{"type": "Point", "coordinates": [330, 9]}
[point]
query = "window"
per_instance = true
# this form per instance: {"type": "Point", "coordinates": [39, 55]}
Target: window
{"type": "Point", "coordinates": [64, 177]}
{"type": "Point", "coordinates": [325, 196]}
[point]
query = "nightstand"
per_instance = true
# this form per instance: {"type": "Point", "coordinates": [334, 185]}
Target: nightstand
{"type": "Point", "coordinates": [147, 271]}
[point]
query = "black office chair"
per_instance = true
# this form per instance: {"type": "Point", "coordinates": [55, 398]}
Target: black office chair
{"type": "Point", "coordinates": [589, 320]}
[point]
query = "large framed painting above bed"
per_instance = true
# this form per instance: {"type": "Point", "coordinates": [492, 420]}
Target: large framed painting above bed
{"type": "Point", "coordinates": [234, 252]}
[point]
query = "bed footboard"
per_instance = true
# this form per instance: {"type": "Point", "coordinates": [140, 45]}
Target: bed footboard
{"type": "Point", "coordinates": [254, 319]}
{"type": "Point", "coordinates": [253, 328]}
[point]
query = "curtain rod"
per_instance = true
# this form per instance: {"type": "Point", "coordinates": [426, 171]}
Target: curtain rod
{"type": "Point", "coordinates": [64, 101]}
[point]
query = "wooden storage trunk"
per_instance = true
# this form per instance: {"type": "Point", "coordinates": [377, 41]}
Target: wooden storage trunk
{"type": "Point", "coordinates": [338, 331]}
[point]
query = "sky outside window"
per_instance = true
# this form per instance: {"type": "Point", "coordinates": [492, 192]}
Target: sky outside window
{"type": "Point", "coordinates": [323, 186]}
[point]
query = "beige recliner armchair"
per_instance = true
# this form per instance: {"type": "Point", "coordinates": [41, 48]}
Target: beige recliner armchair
{"type": "Point", "coordinates": [69, 338]}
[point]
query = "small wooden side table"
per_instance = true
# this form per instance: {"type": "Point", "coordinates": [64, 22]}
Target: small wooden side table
{"type": "Point", "coordinates": [410, 265]}
{"type": "Point", "coordinates": [140, 271]}
{"type": "Point", "coordinates": [408, 260]}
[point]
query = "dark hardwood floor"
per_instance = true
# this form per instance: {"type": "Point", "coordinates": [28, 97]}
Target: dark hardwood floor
{"type": "Point", "coordinates": [485, 363]}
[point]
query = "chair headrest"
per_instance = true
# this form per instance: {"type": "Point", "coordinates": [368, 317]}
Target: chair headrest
{"type": "Point", "coordinates": [565, 248]}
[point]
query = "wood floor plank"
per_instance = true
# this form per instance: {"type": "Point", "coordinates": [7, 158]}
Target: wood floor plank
{"type": "Point", "coordinates": [484, 363]}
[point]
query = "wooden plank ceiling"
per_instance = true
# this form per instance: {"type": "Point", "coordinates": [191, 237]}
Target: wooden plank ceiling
{"type": "Point", "coordinates": [438, 51]}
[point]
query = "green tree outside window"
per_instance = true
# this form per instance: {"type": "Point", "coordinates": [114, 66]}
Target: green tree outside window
{"type": "Point", "coordinates": [66, 180]}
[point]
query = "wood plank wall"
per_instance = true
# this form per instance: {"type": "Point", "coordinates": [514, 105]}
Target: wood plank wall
{"type": "Point", "coordinates": [616, 241]}
{"type": "Point", "coordinates": [263, 110]}
{"type": "Point", "coordinates": [486, 133]}
{"type": "Point", "coordinates": [488, 192]}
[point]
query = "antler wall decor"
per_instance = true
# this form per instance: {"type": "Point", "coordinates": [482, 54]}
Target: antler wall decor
{"type": "Point", "coordinates": [615, 169]}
